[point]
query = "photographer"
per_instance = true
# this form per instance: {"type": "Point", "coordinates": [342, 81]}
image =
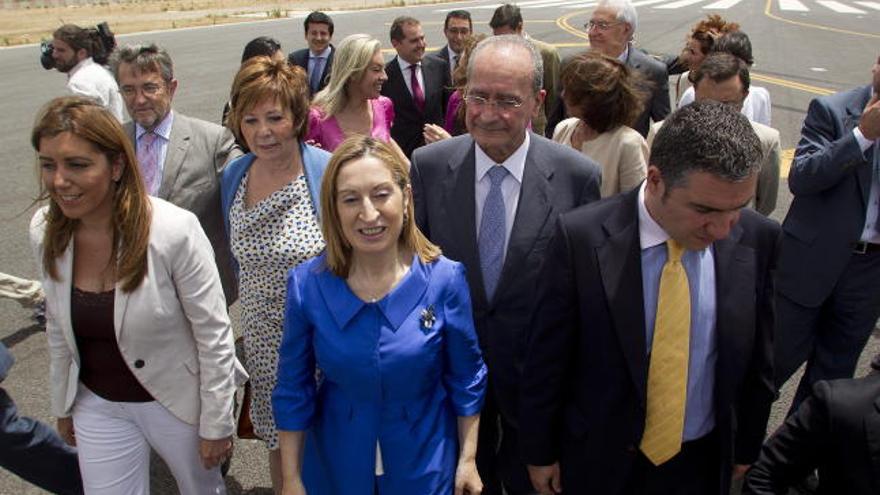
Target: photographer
{"type": "Point", "coordinates": [78, 52]}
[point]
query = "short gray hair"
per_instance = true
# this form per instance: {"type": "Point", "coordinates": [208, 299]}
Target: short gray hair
{"type": "Point", "coordinates": [510, 40]}
{"type": "Point", "coordinates": [146, 58]}
{"type": "Point", "coordinates": [706, 136]}
{"type": "Point", "coordinates": [626, 11]}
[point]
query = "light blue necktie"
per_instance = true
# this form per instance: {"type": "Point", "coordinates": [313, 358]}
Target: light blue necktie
{"type": "Point", "coordinates": [317, 70]}
{"type": "Point", "coordinates": [492, 232]}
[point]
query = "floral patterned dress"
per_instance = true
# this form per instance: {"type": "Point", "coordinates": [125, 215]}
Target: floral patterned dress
{"type": "Point", "coordinates": [268, 239]}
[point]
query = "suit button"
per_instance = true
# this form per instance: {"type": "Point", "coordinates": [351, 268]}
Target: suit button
{"type": "Point", "coordinates": [139, 364]}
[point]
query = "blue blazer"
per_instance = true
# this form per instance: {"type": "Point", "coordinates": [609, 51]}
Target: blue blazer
{"type": "Point", "coordinates": [831, 180]}
{"type": "Point", "coordinates": [314, 162]}
{"type": "Point", "coordinates": [398, 371]}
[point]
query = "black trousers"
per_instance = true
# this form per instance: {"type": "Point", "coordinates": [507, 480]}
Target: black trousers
{"type": "Point", "coordinates": [498, 459]}
{"type": "Point", "coordinates": [694, 471]}
{"type": "Point", "coordinates": [831, 337]}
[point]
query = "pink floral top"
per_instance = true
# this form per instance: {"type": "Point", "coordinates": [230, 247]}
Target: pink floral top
{"type": "Point", "coordinates": [326, 131]}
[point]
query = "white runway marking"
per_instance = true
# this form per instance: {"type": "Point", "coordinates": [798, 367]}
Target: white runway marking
{"type": "Point", "coordinates": [870, 5]}
{"type": "Point", "coordinates": [678, 4]}
{"type": "Point", "coordinates": [722, 4]}
{"type": "Point", "coordinates": [792, 6]}
{"type": "Point", "coordinates": [838, 7]}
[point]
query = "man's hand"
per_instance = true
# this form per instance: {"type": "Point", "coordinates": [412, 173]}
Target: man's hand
{"type": "Point", "coordinates": [214, 452]}
{"type": "Point", "coordinates": [869, 124]}
{"type": "Point", "coordinates": [65, 430]}
{"type": "Point", "coordinates": [546, 479]}
{"type": "Point", "coordinates": [739, 471]}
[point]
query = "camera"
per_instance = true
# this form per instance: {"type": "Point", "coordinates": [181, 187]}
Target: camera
{"type": "Point", "coordinates": [103, 43]}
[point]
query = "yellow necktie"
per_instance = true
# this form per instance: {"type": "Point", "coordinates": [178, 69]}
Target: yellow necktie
{"type": "Point", "coordinates": [667, 374]}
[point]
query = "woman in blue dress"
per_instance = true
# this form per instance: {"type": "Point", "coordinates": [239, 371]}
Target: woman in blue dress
{"type": "Point", "coordinates": [387, 321]}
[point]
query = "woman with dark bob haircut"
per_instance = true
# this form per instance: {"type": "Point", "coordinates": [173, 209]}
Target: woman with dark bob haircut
{"type": "Point", "coordinates": [388, 321]}
{"type": "Point", "coordinates": [270, 200]}
{"type": "Point", "coordinates": [604, 98]}
{"type": "Point", "coordinates": [140, 344]}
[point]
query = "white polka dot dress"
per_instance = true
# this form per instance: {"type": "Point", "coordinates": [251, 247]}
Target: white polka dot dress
{"type": "Point", "coordinates": [268, 239]}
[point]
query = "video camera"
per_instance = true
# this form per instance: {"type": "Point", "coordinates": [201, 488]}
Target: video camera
{"type": "Point", "coordinates": [106, 43]}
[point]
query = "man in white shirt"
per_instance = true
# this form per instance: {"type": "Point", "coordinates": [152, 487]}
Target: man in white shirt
{"type": "Point", "coordinates": [490, 199]}
{"type": "Point", "coordinates": [73, 48]}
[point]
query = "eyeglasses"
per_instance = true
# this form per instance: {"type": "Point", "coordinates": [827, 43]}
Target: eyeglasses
{"type": "Point", "coordinates": [482, 102]}
{"type": "Point", "coordinates": [600, 25]}
{"type": "Point", "coordinates": [148, 89]}
{"type": "Point", "coordinates": [461, 31]}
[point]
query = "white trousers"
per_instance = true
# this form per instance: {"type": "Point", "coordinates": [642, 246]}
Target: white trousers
{"type": "Point", "coordinates": [28, 293]}
{"type": "Point", "coordinates": [114, 440]}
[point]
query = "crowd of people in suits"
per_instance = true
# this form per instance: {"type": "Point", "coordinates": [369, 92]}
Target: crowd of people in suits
{"type": "Point", "coordinates": [457, 275]}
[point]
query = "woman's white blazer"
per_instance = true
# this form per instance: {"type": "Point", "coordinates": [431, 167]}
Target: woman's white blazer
{"type": "Point", "coordinates": [173, 330]}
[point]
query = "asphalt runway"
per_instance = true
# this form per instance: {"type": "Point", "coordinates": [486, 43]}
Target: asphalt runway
{"type": "Point", "coordinates": [802, 48]}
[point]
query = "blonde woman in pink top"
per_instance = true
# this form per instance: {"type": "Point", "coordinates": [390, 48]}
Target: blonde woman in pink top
{"type": "Point", "coordinates": [350, 103]}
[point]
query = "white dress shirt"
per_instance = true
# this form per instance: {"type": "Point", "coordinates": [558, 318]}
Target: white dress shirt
{"type": "Point", "coordinates": [407, 74]}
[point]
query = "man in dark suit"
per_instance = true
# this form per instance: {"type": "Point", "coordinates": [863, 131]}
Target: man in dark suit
{"type": "Point", "coordinates": [611, 29]}
{"type": "Point", "coordinates": [837, 431]}
{"type": "Point", "coordinates": [489, 200]}
{"type": "Point", "coordinates": [457, 28]}
{"type": "Point", "coordinates": [649, 369]}
{"type": "Point", "coordinates": [829, 263]}
{"type": "Point", "coordinates": [180, 157]}
{"type": "Point", "coordinates": [416, 85]}
{"type": "Point", "coordinates": [317, 59]}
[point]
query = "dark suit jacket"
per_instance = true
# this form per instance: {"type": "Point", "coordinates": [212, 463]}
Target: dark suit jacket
{"type": "Point", "coordinates": [409, 121]}
{"type": "Point", "coordinates": [837, 430]}
{"type": "Point", "coordinates": [657, 84]}
{"type": "Point", "coordinates": [556, 179]}
{"type": "Point", "coordinates": [830, 178]}
{"type": "Point", "coordinates": [196, 155]}
{"type": "Point", "coordinates": [301, 58]}
{"type": "Point", "coordinates": [584, 387]}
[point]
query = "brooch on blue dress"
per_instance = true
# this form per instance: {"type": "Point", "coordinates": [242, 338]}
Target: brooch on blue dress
{"type": "Point", "coordinates": [428, 317]}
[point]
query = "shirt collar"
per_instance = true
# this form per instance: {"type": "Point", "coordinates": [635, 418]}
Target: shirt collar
{"type": "Point", "coordinates": [515, 163]}
{"type": "Point", "coordinates": [163, 129]}
{"type": "Point", "coordinates": [404, 65]}
{"type": "Point", "coordinates": [82, 63]}
{"type": "Point", "coordinates": [624, 54]}
{"type": "Point", "coordinates": [396, 306]}
{"type": "Point", "coordinates": [650, 232]}
{"type": "Point", "coordinates": [452, 55]}
{"type": "Point", "coordinates": [323, 54]}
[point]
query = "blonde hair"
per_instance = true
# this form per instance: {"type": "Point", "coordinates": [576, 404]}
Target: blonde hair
{"type": "Point", "coordinates": [350, 63]}
{"type": "Point", "coordinates": [86, 119]}
{"type": "Point", "coordinates": [262, 78]}
{"type": "Point", "coordinates": [338, 251]}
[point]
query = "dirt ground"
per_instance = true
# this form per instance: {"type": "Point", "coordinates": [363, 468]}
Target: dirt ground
{"type": "Point", "coordinates": [23, 25]}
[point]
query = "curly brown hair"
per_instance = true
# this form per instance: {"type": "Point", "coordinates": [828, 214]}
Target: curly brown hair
{"type": "Point", "coordinates": [710, 29]}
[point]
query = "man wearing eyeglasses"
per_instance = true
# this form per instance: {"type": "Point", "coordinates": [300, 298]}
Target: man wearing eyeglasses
{"type": "Point", "coordinates": [507, 19]}
{"type": "Point", "coordinates": [490, 199]}
{"type": "Point", "coordinates": [180, 157]}
{"type": "Point", "coordinates": [610, 29]}
{"type": "Point", "coordinates": [457, 28]}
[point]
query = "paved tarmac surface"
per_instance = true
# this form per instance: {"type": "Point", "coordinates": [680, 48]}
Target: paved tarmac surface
{"type": "Point", "coordinates": [803, 49]}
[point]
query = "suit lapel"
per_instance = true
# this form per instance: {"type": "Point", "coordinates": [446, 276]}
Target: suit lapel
{"type": "Point", "coordinates": [620, 267]}
{"type": "Point", "coordinates": [734, 284]}
{"type": "Point", "coordinates": [532, 213]}
{"type": "Point", "coordinates": [175, 154]}
{"type": "Point", "coordinates": [459, 204]}
{"type": "Point", "coordinates": [64, 288]}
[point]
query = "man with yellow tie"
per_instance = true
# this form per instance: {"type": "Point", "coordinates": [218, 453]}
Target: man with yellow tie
{"type": "Point", "coordinates": [649, 367]}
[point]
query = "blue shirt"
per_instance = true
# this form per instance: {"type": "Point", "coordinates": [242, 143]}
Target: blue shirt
{"type": "Point", "coordinates": [699, 417]}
